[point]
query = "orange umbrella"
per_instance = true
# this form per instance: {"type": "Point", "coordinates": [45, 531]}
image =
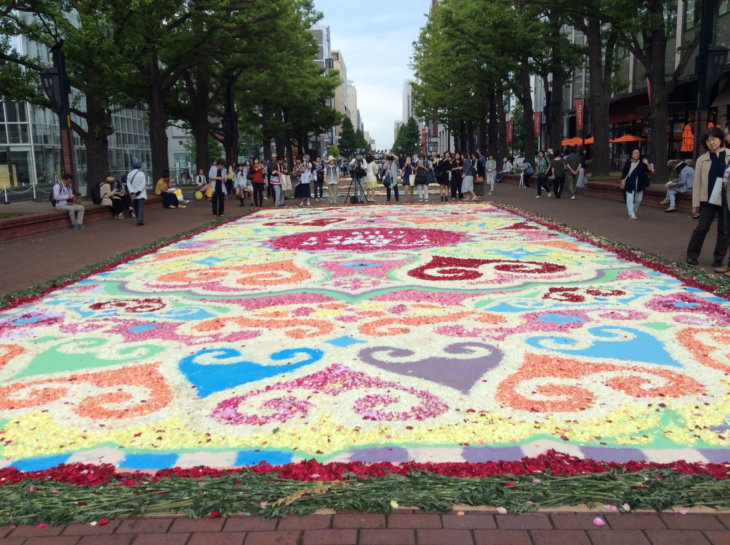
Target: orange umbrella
{"type": "Point", "coordinates": [589, 141]}
{"type": "Point", "coordinates": [627, 138]}
{"type": "Point", "coordinates": [688, 140]}
{"type": "Point", "coordinates": [572, 142]}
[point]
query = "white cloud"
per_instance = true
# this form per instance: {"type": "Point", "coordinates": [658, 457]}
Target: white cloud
{"type": "Point", "coordinates": [376, 40]}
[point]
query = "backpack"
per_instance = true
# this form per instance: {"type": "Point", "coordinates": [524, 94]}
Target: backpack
{"type": "Point", "coordinates": [50, 197]}
{"type": "Point", "coordinates": [96, 194]}
{"type": "Point", "coordinates": [528, 169]}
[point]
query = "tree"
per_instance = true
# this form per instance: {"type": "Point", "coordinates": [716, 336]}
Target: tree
{"type": "Point", "coordinates": [348, 143]}
{"type": "Point", "coordinates": [409, 139]}
{"type": "Point", "coordinates": [334, 151]}
{"type": "Point", "coordinates": [360, 141]}
{"type": "Point", "coordinates": [518, 130]}
{"type": "Point", "coordinates": [99, 60]}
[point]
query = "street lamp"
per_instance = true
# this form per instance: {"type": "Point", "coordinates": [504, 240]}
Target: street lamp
{"type": "Point", "coordinates": [57, 88]}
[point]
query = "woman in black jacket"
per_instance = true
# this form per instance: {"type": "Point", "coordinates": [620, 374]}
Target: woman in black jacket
{"type": "Point", "coordinates": [634, 179]}
{"type": "Point", "coordinates": [443, 176]}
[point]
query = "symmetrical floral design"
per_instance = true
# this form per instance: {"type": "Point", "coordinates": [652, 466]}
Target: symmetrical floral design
{"type": "Point", "coordinates": [315, 332]}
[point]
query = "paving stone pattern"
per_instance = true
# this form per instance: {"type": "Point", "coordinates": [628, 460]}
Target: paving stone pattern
{"type": "Point", "coordinates": [404, 527]}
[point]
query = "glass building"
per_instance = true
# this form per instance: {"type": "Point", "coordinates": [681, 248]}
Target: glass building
{"type": "Point", "coordinates": [30, 140]}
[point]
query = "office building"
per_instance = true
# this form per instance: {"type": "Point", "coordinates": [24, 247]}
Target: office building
{"type": "Point", "coordinates": [341, 96]}
{"type": "Point", "coordinates": [324, 60]}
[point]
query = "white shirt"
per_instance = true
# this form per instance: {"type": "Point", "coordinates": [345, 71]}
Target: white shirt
{"type": "Point", "coordinates": [372, 170]}
{"type": "Point", "coordinates": [136, 181]}
{"type": "Point", "coordinates": [62, 193]}
{"type": "Point", "coordinates": [200, 180]}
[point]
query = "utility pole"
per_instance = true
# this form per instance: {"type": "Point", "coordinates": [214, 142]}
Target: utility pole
{"type": "Point", "coordinates": [57, 87]}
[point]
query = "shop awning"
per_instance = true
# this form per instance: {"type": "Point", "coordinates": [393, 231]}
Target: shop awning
{"type": "Point", "coordinates": [572, 141]}
{"type": "Point", "coordinates": [626, 138]}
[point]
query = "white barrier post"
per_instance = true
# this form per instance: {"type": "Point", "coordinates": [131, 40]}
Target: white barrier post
{"type": "Point", "coordinates": [5, 192]}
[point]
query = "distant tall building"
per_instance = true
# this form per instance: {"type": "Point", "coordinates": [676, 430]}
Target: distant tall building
{"type": "Point", "coordinates": [324, 61]}
{"type": "Point", "coordinates": [341, 95]}
{"type": "Point", "coordinates": [407, 101]}
{"type": "Point", "coordinates": [352, 103]}
{"type": "Point", "coordinates": [396, 129]}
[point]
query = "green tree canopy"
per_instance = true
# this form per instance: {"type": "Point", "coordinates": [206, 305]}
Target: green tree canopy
{"type": "Point", "coordinates": [348, 142]}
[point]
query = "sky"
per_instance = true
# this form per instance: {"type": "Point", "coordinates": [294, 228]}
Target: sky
{"type": "Point", "coordinates": [376, 41]}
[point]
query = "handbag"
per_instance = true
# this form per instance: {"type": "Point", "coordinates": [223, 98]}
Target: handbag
{"type": "Point", "coordinates": [285, 182]}
{"type": "Point", "coordinates": [479, 180]}
{"type": "Point", "coordinates": [430, 178]}
{"type": "Point", "coordinates": [412, 180]}
{"type": "Point", "coordinates": [387, 182]}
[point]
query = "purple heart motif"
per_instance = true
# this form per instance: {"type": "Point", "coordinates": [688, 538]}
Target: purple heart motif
{"type": "Point", "coordinates": [454, 372]}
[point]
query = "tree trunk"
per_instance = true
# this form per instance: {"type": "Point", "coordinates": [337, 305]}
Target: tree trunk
{"type": "Point", "coordinates": [527, 113]}
{"type": "Point", "coordinates": [96, 140]}
{"type": "Point", "coordinates": [556, 110]}
{"type": "Point", "coordinates": [482, 140]}
{"type": "Point", "coordinates": [600, 96]}
{"type": "Point", "coordinates": [462, 137]}
{"type": "Point", "coordinates": [656, 57]}
{"type": "Point", "coordinates": [157, 119]}
{"type": "Point", "coordinates": [502, 117]}
{"type": "Point", "coordinates": [493, 123]}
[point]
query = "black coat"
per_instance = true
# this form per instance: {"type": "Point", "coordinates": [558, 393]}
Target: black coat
{"type": "Point", "coordinates": [639, 179]}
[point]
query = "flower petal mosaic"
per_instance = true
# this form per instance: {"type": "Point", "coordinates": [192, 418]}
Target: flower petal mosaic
{"type": "Point", "coordinates": [457, 333]}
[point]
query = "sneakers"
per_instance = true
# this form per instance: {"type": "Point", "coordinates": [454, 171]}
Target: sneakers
{"type": "Point", "coordinates": [82, 226]}
{"type": "Point", "coordinates": [572, 198]}
{"type": "Point", "coordinates": [131, 213]}
{"type": "Point", "coordinates": [74, 226]}
{"type": "Point", "coordinates": [537, 197]}
{"type": "Point", "coordinates": [668, 210]}
{"type": "Point", "coordinates": [182, 206]}
{"type": "Point", "coordinates": [550, 194]}
{"type": "Point", "coordinates": [665, 201]}
{"type": "Point", "coordinates": [309, 204]}
{"type": "Point", "coordinates": [491, 192]}
{"type": "Point", "coordinates": [633, 217]}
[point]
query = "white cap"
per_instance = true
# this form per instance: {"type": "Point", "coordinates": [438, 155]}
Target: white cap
{"type": "Point", "coordinates": [331, 158]}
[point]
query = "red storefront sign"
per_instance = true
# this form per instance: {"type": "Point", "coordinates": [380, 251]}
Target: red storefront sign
{"type": "Point", "coordinates": [510, 130]}
{"type": "Point", "coordinates": [423, 141]}
{"type": "Point", "coordinates": [580, 105]}
{"type": "Point", "coordinates": [537, 121]}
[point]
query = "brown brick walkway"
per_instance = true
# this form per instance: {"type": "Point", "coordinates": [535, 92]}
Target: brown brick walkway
{"type": "Point", "coordinates": [33, 260]}
{"type": "Point", "coordinates": [401, 528]}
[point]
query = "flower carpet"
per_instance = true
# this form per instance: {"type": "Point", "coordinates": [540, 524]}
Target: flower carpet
{"type": "Point", "coordinates": [457, 333]}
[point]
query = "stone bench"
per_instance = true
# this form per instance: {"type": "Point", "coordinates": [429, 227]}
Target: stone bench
{"type": "Point", "coordinates": [55, 220]}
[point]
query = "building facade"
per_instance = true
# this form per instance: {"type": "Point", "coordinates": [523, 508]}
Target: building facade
{"type": "Point", "coordinates": [407, 101]}
{"type": "Point", "coordinates": [630, 109]}
{"type": "Point", "coordinates": [341, 96]}
{"type": "Point", "coordinates": [324, 60]}
{"type": "Point", "coordinates": [352, 104]}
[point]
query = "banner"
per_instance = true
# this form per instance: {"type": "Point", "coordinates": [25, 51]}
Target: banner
{"type": "Point", "coordinates": [537, 121]}
{"type": "Point", "coordinates": [423, 141]}
{"type": "Point", "coordinates": [510, 130]}
{"type": "Point", "coordinates": [579, 113]}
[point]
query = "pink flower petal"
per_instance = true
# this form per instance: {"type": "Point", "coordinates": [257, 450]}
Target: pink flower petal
{"type": "Point", "coordinates": [263, 504]}
{"type": "Point", "coordinates": [682, 511]}
{"type": "Point", "coordinates": [598, 521]}
{"type": "Point", "coordinates": [501, 510]}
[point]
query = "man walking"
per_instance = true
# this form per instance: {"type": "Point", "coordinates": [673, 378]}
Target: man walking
{"type": "Point", "coordinates": [137, 184]}
{"type": "Point", "coordinates": [66, 201]}
{"type": "Point", "coordinates": [572, 173]}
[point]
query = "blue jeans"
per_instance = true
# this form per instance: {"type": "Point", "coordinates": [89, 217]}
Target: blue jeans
{"type": "Point", "coordinates": [318, 189]}
{"type": "Point", "coordinates": [139, 210]}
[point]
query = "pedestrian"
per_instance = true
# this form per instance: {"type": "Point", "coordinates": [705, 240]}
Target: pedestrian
{"type": "Point", "coordinates": [456, 180]}
{"type": "Point", "coordinates": [582, 178]}
{"type": "Point", "coordinates": [556, 169]}
{"type": "Point", "coordinates": [332, 179]}
{"type": "Point", "coordinates": [526, 174]}
{"type": "Point", "coordinates": [303, 190]}
{"type": "Point", "coordinates": [541, 167]}
{"type": "Point", "coordinates": [65, 201]}
{"type": "Point", "coordinates": [390, 176]}
{"type": "Point", "coordinates": [481, 174]}
{"type": "Point", "coordinates": [110, 196]}
{"type": "Point", "coordinates": [217, 177]}
{"type": "Point", "coordinates": [408, 183]}
{"type": "Point", "coordinates": [276, 170]}
{"type": "Point", "coordinates": [443, 176]}
{"type": "Point", "coordinates": [137, 184]}
{"type": "Point", "coordinates": [371, 179]}
{"type": "Point", "coordinates": [507, 169]}
{"type": "Point", "coordinates": [256, 176]}
{"type": "Point", "coordinates": [230, 176]}
{"type": "Point", "coordinates": [468, 172]}
{"type": "Point", "coordinates": [683, 185]}
{"type": "Point", "coordinates": [240, 183]}
{"type": "Point", "coordinates": [708, 198]}
{"type": "Point", "coordinates": [318, 178]}
{"type": "Point", "coordinates": [635, 178]}
{"type": "Point", "coordinates": [491, 170]}
{"type": "Point", "coordinates": [421, 179]}
{"type": "Point", "coordinates": [572, 170]}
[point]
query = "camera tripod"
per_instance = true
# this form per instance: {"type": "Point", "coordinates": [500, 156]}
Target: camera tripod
{"type": "Point", "coordinates": [349, 189]}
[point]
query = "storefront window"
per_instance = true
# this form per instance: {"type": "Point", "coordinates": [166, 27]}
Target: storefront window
{"type": "Point", "coordinates": [692, 13]}
{"type": "Point", "coordinates": [18, 133]}
{"type": "Point", "coordinates": [722, 28]}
